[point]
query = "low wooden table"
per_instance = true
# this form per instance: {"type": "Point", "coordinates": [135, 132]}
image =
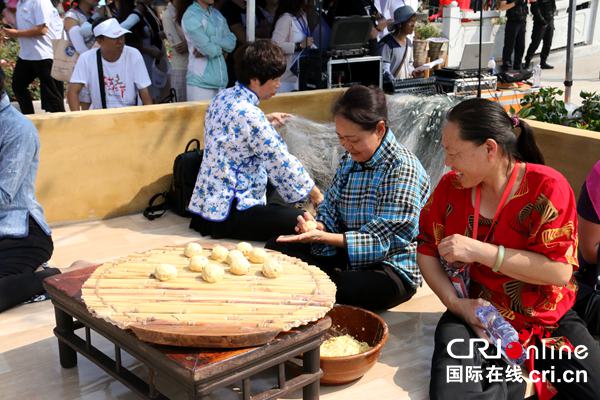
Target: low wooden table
{"type": "Point", "coordinates": [198, 371]}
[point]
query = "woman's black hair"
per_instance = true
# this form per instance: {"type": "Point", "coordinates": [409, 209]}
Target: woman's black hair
{"type": "Point", "coordinates": [125, 7]}
{"type": "Point", "coordinates": [261, 59]}
{"type": "Point", "coordinates": [293, 7]}
{"type": "Point", "coordinates": [481, 119]}
{"type": "Point", "coordinates": [364, 106]}
{"type": "Point", "coordinates": [181, 7]}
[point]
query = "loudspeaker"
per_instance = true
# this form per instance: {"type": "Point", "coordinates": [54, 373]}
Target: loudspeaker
{"type": "Point", "coordinates": [312, 71]}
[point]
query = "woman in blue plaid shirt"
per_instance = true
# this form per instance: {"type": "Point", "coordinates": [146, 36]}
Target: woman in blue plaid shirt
{"type": "Point", "coordinates": [366, 227]}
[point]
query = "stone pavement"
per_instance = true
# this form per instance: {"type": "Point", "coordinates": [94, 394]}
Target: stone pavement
{"type": "Point", "coordinates": [586, 71]}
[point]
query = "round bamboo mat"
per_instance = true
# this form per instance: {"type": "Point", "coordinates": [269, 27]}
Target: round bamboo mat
{"type": "Point", "coordinates": [237, 311]}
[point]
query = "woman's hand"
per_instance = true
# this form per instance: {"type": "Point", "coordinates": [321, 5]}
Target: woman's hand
{"type": "Point", "coordinates": [154, 52]}
{"type": "Point", "coordinates": [382, 24]}
{"type": "Point", "coordinates": [459, 248]}
{"type": "Point", "coordinates": [9, 32]}
{"type": "Point", "coordinates": [316, 197]}
{"type": "Point", "coordinates": [307, 223]}
{"type": "Point", "coordinates": [465, 309]}
{"type": "Point", "coordinates": [312, 236]}
{"type": "Point", "coordinates": [278, 119]}
{"type": "Point", "coordinates": [181, 48]}
{"type": "Point", "coordinates": [307, 43]}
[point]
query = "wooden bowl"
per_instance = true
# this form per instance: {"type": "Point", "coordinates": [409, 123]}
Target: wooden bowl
{"type": "Point", "coordinates": [364, 326]}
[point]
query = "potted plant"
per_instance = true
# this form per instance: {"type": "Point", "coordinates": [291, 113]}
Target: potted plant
{"type": "Point", "coordinates": [423, 32]}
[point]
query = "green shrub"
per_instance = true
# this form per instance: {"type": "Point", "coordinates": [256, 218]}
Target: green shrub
{"type": "Point", "coordinates": [588, 115]}
{"type": "Point", "coordinates": [546, 105]}
{"type": "Point", "coordinates": [426, 31]}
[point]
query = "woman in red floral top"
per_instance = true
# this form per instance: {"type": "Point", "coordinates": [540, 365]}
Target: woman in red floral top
{"type": "Point", "coordinates": [521, 257]}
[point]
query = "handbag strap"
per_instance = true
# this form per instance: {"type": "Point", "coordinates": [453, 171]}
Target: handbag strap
{"type": "Point", "coordinates": [101, 78]}
{"type": "Point", "coordinates": [399, 69]}
{"type": "Point", "coordinates": [154, 211]}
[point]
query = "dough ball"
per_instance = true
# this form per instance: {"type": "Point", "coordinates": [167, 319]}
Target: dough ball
{"type": "Point", "coordinates": [257, 256]}
{"type": "Point", "coordinates": [272, 268]}
{"type": "Point", "coordinates": [197, 263]}
{"type": "Point", "coordinates": [239, 266]}
{"type": "Point", "coordinates": [193, 249]}
{"type": "Point", "coordinates": [311, 224]}
{"type": "Point", "coordinates": [164, 272]}
{"type": "Point", "coordinates": [244, 247]}
{"type": "Point", "coordinates": [219, 253]}
{"type": "Point", "coordinates": [233, 254]}
{"type": "Point", "coordinates": [212, 273]}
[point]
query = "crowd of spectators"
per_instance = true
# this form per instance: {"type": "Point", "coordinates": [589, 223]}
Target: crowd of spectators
{"type": "Point", "coordinates": [203, 35]}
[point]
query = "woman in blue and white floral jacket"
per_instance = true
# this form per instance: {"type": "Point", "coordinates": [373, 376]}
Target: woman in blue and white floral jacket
{"type": "Point", "coordinates": [243, 152]}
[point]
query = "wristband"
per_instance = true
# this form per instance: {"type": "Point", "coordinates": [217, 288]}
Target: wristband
{"type": "Point", "coordinates": [499, 259]}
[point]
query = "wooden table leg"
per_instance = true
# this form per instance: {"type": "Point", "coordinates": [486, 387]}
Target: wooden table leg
{"type": "Point", "coordinates": [311, 362]}
{"type": "Point", "coordinates": [64, 325]}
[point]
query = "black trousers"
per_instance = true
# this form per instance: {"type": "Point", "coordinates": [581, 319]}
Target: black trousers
{"type": "Point", "coordinates": [541, 32]}
{"type": "Point", "coordinates": [452, 327]}
{"type": "Point", "coordinates": [258, 223]}
{"type": "Point", "coordinates": [587, 304]}
{"type": "Point", "coordinates": [514, 41]}
{"type": "Point", "coordinates": [19, 258]}
{"type": "Point", "coordinates": [51, 90]}
{"type": "Point", "coordinates": [377, 288]}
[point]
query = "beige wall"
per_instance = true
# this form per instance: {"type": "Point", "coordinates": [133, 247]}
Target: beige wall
{"type": "Point", "coordinates": [106, 163]}
{"type": "Point", "coordinates": [571, 151]}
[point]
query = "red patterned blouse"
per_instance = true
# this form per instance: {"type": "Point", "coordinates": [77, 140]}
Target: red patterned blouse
{"type": "Point", "coordinates": [540, 217]}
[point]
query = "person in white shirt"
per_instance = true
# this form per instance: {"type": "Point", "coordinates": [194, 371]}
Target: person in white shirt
{"type": "Point", "coordinates": [74, 18]}
{"type": "Point", "coordinates": [293, 35]}
{"type": "Point", "coordinates": [123, 69]}
{"type": "Point", "coordinates": [179, 58]}
{"type": "Point", "coordinates": [38, 22]}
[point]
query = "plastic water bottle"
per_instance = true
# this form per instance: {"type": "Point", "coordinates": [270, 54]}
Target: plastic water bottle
{"type": "Point", "coordinates": [537, 75]}
{"type": "Point", "coordinates": [496, 328]}
{"type": "Point", "coordinates": [492, 66]}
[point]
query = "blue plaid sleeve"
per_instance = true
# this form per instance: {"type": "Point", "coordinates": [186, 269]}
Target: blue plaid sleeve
{"type": "Point", "coordinates": [396, 225]}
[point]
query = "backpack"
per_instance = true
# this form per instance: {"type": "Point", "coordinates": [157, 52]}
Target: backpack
{"type": "Point", "coordinates": [185, 172]}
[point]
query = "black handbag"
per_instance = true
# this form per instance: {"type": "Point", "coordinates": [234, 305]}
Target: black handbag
{"type": "Point", "coordinates": [185, 172]}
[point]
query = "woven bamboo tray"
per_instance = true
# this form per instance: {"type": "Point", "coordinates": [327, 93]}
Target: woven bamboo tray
{"type": "Point", "coordinates": [238, 311]}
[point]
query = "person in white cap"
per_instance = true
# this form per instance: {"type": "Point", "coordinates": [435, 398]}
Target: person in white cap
{"type": "Point", "coordinates": [122, 67]}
